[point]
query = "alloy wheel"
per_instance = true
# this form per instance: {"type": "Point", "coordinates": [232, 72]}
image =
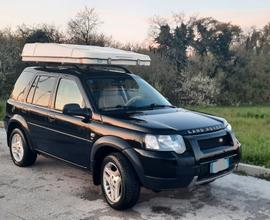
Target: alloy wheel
{"type": "Point", "coordinates": [17, 147]}
{"type": "Point", "coordinates": [112, 182]}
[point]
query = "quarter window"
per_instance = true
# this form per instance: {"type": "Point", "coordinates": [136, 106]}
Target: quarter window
{"type": "Point", "coordinates": [32, 91]}
{"type": "Point", "coordinates": [44, 90]}
{"type": "Point", "coordinates": [68, 93]}
{"type": "Point", "coordinates": [21, 86]}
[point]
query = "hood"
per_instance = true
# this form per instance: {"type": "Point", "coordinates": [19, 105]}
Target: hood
{"type": "Point", "coordinates": [172, 119]}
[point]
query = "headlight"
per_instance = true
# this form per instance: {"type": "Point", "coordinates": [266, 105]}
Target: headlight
{"type": "Point", "coordinates": [229, 127]}
{"type": "Point", "coordinates": [165, 143]}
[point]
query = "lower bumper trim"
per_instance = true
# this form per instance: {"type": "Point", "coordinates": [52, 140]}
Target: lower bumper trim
{"type": "Point", "coordinates": [213, 178]}
{"type": "Point", "coordinates": [195, 180]}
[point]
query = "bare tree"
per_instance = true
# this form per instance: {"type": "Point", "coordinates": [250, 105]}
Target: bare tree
{"type": "Point", "coordinates": [156, 23]}
{"type": "Point", "coordinates": [43, 33]}
{"type": "Point", "coordinates": [82, 28]}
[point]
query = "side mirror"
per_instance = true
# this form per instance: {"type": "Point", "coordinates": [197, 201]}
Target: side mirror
{"type": "Point", "coordinates": [75, 110]}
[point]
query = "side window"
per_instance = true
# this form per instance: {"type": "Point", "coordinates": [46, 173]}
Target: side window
{"type": "Point", "coordinates": [32, 90]}
{"type": "Point", "coordinates": [20, 88]}
{"type": "Point", "coordinates": [44, 90]}
{"type": "Point", "coordinates": [68, 93]}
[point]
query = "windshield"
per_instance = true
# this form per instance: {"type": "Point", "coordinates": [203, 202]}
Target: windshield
{"type": "Point", "coordinates": [112, 93]}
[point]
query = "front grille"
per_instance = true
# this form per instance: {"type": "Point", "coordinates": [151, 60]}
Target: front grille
{"type": "Point", "coordinates": [215, 142]}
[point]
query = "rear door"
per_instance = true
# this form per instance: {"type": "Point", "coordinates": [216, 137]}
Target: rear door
{"type": "Point", "coordinates": [71, 135]}
{"type": "Point", "coordinates": [39, 99]}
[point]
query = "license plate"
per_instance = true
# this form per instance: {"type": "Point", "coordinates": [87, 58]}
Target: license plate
{"type": "Point", "coordinates": [219, 165]}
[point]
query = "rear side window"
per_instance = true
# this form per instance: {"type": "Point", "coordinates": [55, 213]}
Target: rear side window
{"type": "Point", "coordinates": [22, 85]}
{"type": "Point", "coordinates": [44, 90]}
{"type": "Point", "coordinates": [32, 91]}
{"type": "Point", "coordinates": [68, 93]}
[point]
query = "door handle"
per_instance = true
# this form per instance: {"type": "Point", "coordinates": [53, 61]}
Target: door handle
{"type": "Point", "coordinates": [24, 110]}
{"type": "Point", "coordinates": [51, 118]}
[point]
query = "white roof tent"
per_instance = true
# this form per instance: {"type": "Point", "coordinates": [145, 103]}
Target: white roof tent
{"type": "Point", "coordinates": [81, 54]}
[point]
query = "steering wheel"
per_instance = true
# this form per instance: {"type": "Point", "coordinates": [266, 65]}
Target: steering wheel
{"type": "Point", "coordinates": [132, 100]}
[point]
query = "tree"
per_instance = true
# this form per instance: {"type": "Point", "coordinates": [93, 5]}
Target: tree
{"type": "Point", "coordinates": [42, 33]}
{"type": "Point", "coordinates": [203, 30]}
{"type": "Point", "coordinates": [174, 45]}
{"type": "Point", "coordinates": [82, 28]}
{"type": "Point", "coordinates": [183, 37]}
{"type": "Point", "coordinates": [10, 64]}
{"type": "Point", "coordinates": [259, 40]}
{"type": "Point", "coordinates": [215, 37]}
{"type": "Point", "coordinates": [10, 51]}
{"type": "Point", "coordinates": [222, 40]}
{"type": "Point", "coordinates": [265, 41]}
{"type": "Point", "coordinates": [164, 40]}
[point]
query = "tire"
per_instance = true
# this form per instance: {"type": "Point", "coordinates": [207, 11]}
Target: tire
{"type": "Point", "coordinates": [129, 189]}
{"type": "Point", "coordinates": [20, 152]}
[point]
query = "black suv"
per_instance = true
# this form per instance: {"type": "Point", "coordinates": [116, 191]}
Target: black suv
{"type": "Point", "coordinates": [114, 124]}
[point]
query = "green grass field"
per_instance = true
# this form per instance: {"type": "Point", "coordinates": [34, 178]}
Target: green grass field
{"type": "Point", "coordinates": [252, 127]}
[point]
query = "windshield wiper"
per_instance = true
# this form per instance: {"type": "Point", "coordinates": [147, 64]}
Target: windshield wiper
{"type": "Point", "coordinates": [118, 107]}
{"type": "Point", "coordinates": [154, 105]}
{"type": "Point", "coordinates": [124, 107]}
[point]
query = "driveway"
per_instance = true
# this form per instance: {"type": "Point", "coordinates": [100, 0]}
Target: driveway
{"type": "Point", "coordinates": [55, 190]}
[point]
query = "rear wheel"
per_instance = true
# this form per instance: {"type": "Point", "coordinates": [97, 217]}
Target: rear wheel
{"type": "Point", "coordinates": [20, 152]}
{"type": "Point", "coordinates": [119, 182]}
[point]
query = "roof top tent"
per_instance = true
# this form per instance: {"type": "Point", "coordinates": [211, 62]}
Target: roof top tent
{"type": "Point", "coordinates": [81, 54]}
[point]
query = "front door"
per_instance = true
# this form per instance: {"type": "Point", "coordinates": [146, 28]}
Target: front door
{"type": "Point", "coordinates": [71, 136]}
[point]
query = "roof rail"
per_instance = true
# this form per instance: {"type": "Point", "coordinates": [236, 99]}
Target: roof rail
{"type": "Point", "coordinates": [108, 67]}
{"type": "Point", "coordinates": [84, 67]}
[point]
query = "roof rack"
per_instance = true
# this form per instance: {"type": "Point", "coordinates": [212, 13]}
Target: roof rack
{"type": "Point", "coordinates": [109, 68]}
{"type": "Point", "coordinates": [81, 54]}
{"type": "Point", "coordinates": [85, 67]}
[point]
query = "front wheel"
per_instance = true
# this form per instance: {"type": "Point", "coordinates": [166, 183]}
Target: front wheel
{"type": "Point", "coordinates": [119, 182]}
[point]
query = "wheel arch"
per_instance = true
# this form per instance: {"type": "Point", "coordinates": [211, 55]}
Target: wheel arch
{"type": "Point", "coordinates": [107, 145]}
{"type": "Point", "coordinates": [19, 122]}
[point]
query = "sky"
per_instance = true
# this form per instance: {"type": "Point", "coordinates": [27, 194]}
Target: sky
{"type": "Point", "coordinates": [128, 21]}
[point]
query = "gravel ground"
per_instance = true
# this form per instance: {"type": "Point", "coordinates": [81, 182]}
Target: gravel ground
{"type": "Point", "coordinates": [52, 189]}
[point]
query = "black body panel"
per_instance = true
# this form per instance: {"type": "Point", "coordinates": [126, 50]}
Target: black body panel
{"type": "Point", "coordinates": [78, 140]}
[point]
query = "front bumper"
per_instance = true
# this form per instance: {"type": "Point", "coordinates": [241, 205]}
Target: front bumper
{"type": "Point", "coordinates": [168, 170]}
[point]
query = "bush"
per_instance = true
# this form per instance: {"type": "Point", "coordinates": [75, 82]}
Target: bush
{"type": "Point", "coordinates": [2, 110]}
{"type": "Point", "coordinates": [197, 90]}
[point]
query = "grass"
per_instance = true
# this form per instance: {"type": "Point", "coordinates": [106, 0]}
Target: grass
{"type": "Point", "coordinates": [2, 110]}
{"type": "Point", "coordinates": [252, 127]}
